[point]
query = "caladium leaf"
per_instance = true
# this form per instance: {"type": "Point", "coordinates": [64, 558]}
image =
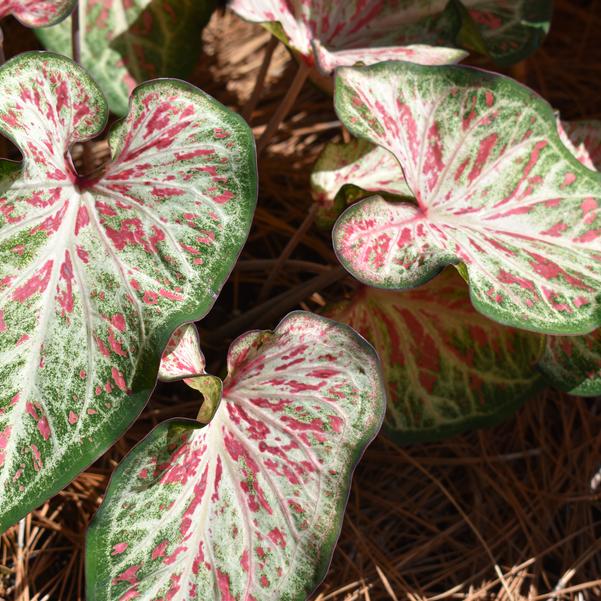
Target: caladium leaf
{"type": "Point", "coordinates": [494, 188]}
{"type": "Point", "coordinates": [182, 357]}
{"type": "Point", "coordinates": [96, 273]}
{"type": "Point", "coordinates": [447, 367]}
{"type": "Point", "coordinates": [343, 32]}
{"type": "Point", "coordinates": [344, 173]}
{"type": "Point", "coordinates": [573, 363]}
{"type": "Point", "coordinates": [127, 42]}
{"type": "Point", "coordinates": [340, 33]}
{"type": "Point", "coordinates": [250, 506]}
{"type": "Point", "coordinates": [37, 13]}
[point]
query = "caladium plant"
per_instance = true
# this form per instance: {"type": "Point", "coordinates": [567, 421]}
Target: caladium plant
{"type": "Point", "coordinates": [493, 186]}
{"type": "Point", "coordinates": [37, 13]}
{"type": "Point", "coordinates": [338, 33]}
{"type": "Point", "coordinates": [96, 272]}
{"type": "Point", "coordinates": [573, 363]}
{"type": "Point", "coordinates": [249, 506]}
{"type": "Point", "coordinates": [447, 367]}
{"type": "Point", "coordinates": [126, 42]}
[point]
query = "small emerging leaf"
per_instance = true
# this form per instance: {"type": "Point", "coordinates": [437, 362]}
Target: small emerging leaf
{"type": "Point", "coordinates": [182, 357]}
{"type": "Point", "coordinates": [345, 173]}
{"type": "Point", "coordinates": [344, 32]}
{"type": "Point", "coordinates": [127, 42]}
{"type": "Point", "coordinates": [96, 273]}
{"type": "Point", "coordinates": [494, 188]}
{"type": "Point", "coordinates": [447, 367]}
{"type": "Point", "coordinates": [250, 506]}
{"type": "Point", "coordinates": [37, 13]}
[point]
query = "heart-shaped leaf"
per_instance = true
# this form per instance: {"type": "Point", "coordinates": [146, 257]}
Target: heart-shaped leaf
{"type": "Point", "coordinates": [37, 13]}
{"type": "Point", "coordinates": [344, 32]}
{"type": "Point", "coordinates": [182, 357]}
{"type": "Point", "coordinates": [344, 173]}
{"type": "Point", "coordinates": [96, 273]}
{"type": "Point", "coordinates": [127, 42]}
{"type": "Point", "coordinates": [573, 363]}
{"type": "Point", "coordinates": [447, 367]}
{"type": "Point", "coordinates": [250, 506]}
{"type": "Point", "coordinates": [494, 188]}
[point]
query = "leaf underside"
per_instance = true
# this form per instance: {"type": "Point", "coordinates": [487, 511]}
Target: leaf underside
{"type": "Point", "coordinates": [127, 42]}
{"type": "Point", "coordinates": [250, 506]}
{"type": "Point", "coordinates": [37, 13]}
{"type": "Point", "coordinates": [343, 32]}
{"type": "Point", "coordinates": [95, 275]}
{"type": "Point", "coordinates": [494, 189]}
{"type": "Point", "coordinates": [447, 367]}
{"type": "Point", "coordinates": [573, 363]}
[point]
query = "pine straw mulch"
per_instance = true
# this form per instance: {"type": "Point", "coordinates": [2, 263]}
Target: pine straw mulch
{"type": "Point", "coordinates": [509, 513]}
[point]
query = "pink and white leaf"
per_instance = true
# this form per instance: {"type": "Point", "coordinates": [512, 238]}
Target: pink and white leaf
{"type": "Point", "coordinates": [95, 274]}
{"type": "Point", "coordinates": [447, 367]}
{"type": "Point", "coordinates": [359, 164]}
{"type": "Point", "coordinates": [342, 33]}
{"type": "Point", "coordinates": [182, 357]}
{"type": "Point", "coordinates": [37, 13]}
{"type": "Point", "coordinates": [494, 189]}
{"type": "Point", "coordinates": [250, 506]}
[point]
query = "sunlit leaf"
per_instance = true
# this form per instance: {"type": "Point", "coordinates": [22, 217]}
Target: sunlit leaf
{"type": "Point", "coordinates": [343, 32]}
{"type": "Point", "coordinates": [37, 13]}
{"type": "Point", "coordinates": [127, 42]}
{"type": "Point", "coordinates": [339, 33]}
{"type": "Point", "coordinates": [346, 172]}
{"type": "Point", "coordinates": [182, 357]}
{"type": "Point", "coordinates": [494, 188]}
{"type": "Point", "coordinates": [447, 367]}
{"type": "Point", "coordinates": [573, 363]}
{"type": "Point", "coordinates": [97, 272]}
{"type": "Point", "coordinates": [250, 506]}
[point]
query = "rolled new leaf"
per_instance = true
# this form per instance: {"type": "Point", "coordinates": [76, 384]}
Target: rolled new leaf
{"type": "Point", "coordinates": [127, 42]}
{"type": "Point", "coordinates": [97, 272]}
{"type": "Point", "coordinates": [249, 506]}
{"type": "Point", "coordinates": [494, 189]}
{"type": "Point", "coordinates": [37, 13]}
